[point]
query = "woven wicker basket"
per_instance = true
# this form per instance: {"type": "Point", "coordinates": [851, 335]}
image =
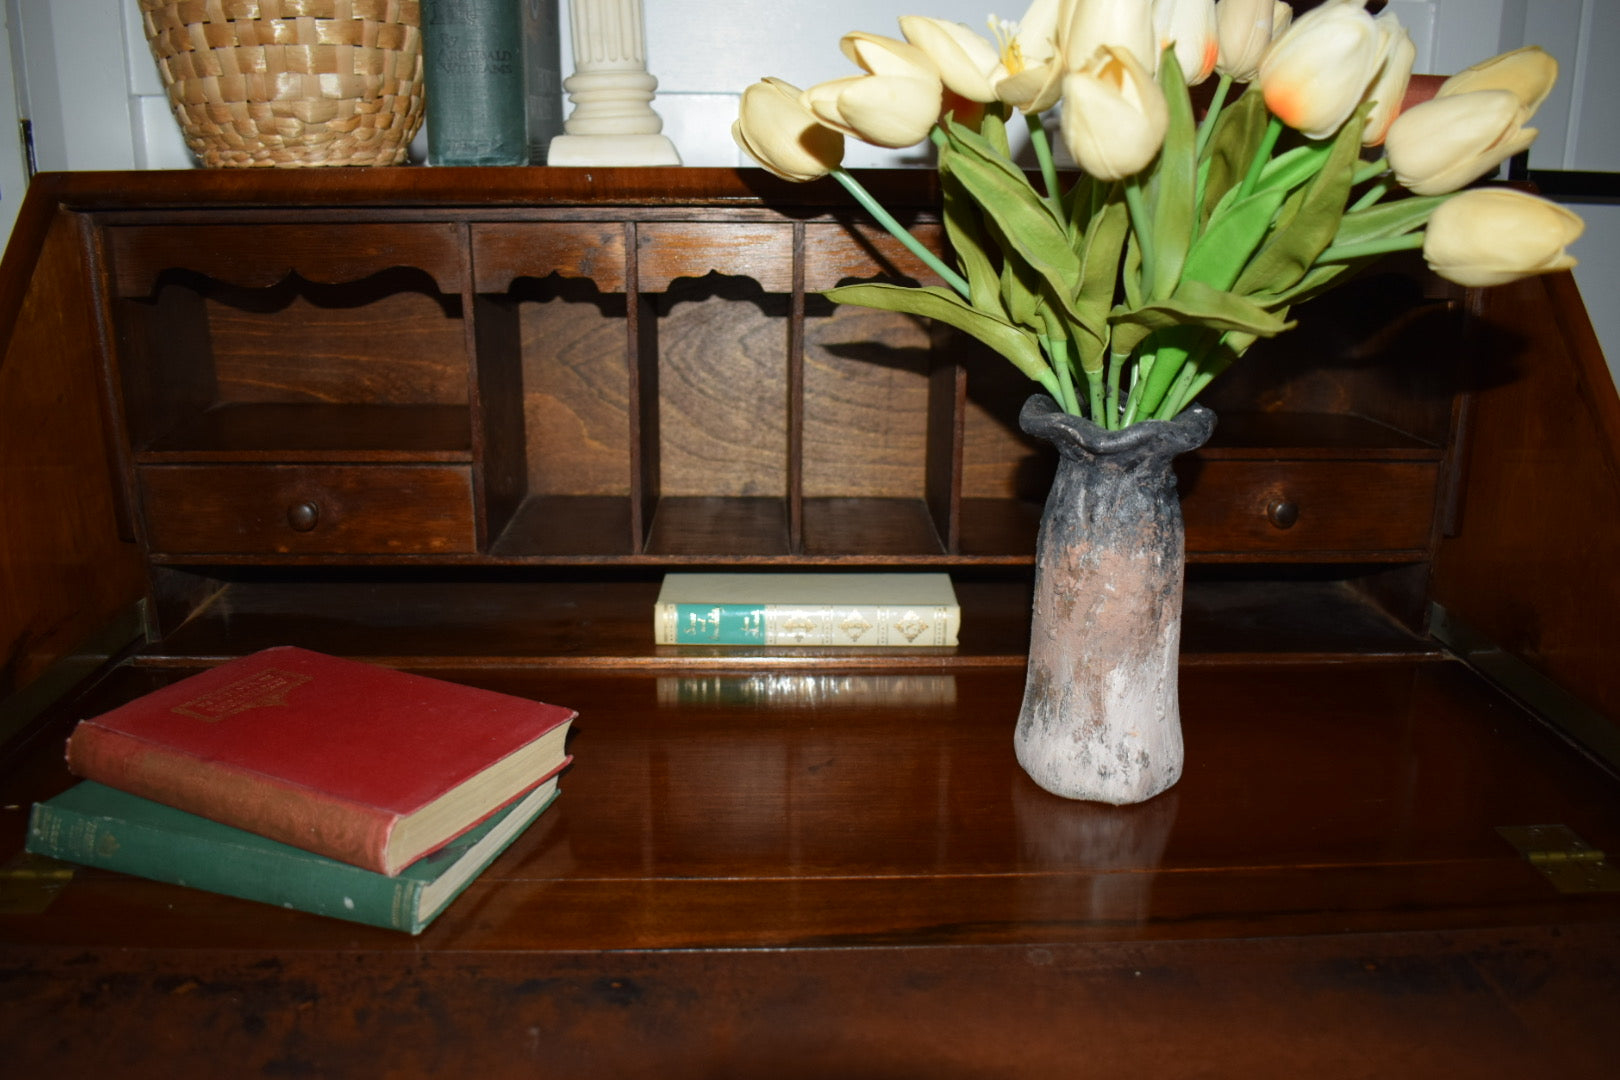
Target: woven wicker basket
{"type": "Point", "coordinates": [291, 83]}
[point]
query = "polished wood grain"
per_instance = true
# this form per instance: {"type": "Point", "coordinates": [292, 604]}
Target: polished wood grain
{"type": "Point", "coordinates": [740, 863]}
{"type": "Point", "coordinates": [259, 256]}
{"type": "Point", "coordinates": [293, 431]}
{"type": "Point", "coordinates": [67, 565]}
{"type": "Point", "coordinates": [236, 509]}
{"type": "Point", "coordinates": [1537, 527]}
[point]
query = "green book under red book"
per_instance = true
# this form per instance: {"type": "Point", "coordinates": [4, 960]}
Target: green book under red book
{"type": "Point", "coordinates": [363, 764]}
{"type": "Point", "coordinates": [99, 826]}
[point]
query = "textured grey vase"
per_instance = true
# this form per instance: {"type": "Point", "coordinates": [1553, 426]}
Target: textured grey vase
{"type": "Point", "coordinates": [1101, 715]}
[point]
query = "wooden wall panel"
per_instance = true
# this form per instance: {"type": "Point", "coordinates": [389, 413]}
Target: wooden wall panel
{"type": "Point", "coordinates": [1540, 524]}
{"type": "Point", "coordinates": [64, 572]}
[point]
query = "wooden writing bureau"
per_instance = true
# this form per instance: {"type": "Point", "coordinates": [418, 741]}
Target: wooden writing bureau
{"type": "Point", "coordinates": [463, 420]}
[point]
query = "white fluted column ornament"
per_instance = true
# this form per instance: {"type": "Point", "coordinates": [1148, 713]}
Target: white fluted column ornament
{"type": "Point", "coordinates": [613, 122]}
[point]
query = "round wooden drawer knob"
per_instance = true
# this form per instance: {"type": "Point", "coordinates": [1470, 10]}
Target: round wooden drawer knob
{"type": "Point", "coordinates": [1282, 513]}
{"type": "Point", "coordinates": [304, 516]}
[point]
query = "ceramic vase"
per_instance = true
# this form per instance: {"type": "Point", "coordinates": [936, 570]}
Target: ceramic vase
{"type": "Point", "coordinates": [1101, 714]}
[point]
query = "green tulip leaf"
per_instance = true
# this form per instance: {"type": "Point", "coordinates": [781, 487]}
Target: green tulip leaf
{"type": "Point", "coordinates": [1172, 347]}
{"type": "Point", "coordinates": [1318, 281]}
{"type": "Point", "coordinates": [1307, 231]}
{"type": "Point", "coordinates": [1130, 273]}
{"type": "Point", "coordinates": [994, 131]}
{"type": "Point", "coordinates": [1232, 236]}
{"type": "Point", "coordinates": [933, 302]}
{"type": "Point", "coordinates": [1395, 218]}
{"type": "Point", "coordinates": [1232, 143]}
{"type": "Point", "coordinates": [1020, 219]}
{"type": "Point", "coordinates": [1174, 181]}
{"type": "Point", "coordinates": [964, 229]}
{"type": "Point", "coordinates": [1195, 303]}
{"type": "Point", "coordinates": [1020, 289]}
{"type": "Point", "coordinates": [1293, 167]}
{"type": "Point", "coordinates": [1080, 204]}
{"type": "Point", "coordinates": [1100, 263]}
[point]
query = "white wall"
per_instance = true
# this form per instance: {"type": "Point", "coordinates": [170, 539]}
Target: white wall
{"type": "Point", "coordinates": [87, 82]}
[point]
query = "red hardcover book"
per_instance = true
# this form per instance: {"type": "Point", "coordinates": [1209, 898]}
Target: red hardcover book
{"type": "Point", "coordinates": [360, 763]}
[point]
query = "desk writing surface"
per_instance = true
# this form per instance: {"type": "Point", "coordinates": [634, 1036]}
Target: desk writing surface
{"type": "Point", "coordinates": [741, 860]}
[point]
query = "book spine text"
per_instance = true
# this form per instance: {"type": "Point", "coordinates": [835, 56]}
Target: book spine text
{"type": "Point", "coordinates": [867, 625]}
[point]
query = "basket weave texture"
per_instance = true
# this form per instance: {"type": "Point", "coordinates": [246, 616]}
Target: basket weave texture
{"type": "Point", "coordinates": [292, 83]}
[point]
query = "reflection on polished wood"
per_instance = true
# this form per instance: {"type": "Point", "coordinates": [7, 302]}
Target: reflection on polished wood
{"type": "Point", "coordinates": [1335, 831]}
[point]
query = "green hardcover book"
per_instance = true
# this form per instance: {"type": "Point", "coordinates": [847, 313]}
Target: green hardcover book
{"type": "Point", "coordinates": [95, 825]}
{"type": "Point", "coordinates": [472, 67]}
{"type": "Point", "coordinates": [863, 610]}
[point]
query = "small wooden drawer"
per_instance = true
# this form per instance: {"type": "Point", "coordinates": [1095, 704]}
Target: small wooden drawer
{"type": "Point", "coordinates": [308, 509]}
{"type": "Point", "coordinates": [1336, 509]}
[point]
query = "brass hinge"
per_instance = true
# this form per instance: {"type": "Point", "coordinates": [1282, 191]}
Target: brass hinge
{"type": "Point", "coordinates": [1570, 863]}
{"type": "Point", "coordinates": [29, 882]}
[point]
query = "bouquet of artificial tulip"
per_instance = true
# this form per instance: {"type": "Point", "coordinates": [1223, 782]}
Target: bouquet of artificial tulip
{"type": "Point", "coordinates": [1183, 240]}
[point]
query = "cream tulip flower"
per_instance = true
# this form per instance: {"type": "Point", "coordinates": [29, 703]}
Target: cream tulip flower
{"type": "Point", "coordinates": [968, 64]}
{"type": "Point", "coordinates": [1189, 25]}
{"type": "Point", "coordinates": [1446, 143]}
{"type": "Point", "coordinates": [775, 129]}
{"type": "Point", "coordinates": [895, 104]}
{"type": "Point", "coordinates": [1491, 236]}
{"type": "Point", "coordinates": [1315, 74]}
{"type": "Point", "coordinates": [1089, 25]}
{"type": "Point", "coordinates": [1243, 33]}
{"type": "Point", "coordinates": [1114, 115]}
{"type": "Point", "coordinates": [885, 110]}
{"type": "Point", "coordinates": [1388, 90]}
{"type": "Point", "coordinates": [1282, 17]}
{"type": "Point", "coordinates": [1529, 73]}
{"type": "Point", "coordinates": [1031, 72]}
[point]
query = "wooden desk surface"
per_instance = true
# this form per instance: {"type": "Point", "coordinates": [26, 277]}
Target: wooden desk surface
{"type": "Point", "coordinates": [815, 873]}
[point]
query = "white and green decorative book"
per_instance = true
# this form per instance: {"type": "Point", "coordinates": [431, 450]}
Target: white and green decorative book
{"type": "Point", "coordinates": [867, 610]}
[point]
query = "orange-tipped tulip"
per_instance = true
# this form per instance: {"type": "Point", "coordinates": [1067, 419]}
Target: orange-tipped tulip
{"type": "Point", "coordinates": [1317, 72]}
{"type": "Point", "coordinates": [1189, 25]}
{"type": "Point", "coordinates": [1491, 236]}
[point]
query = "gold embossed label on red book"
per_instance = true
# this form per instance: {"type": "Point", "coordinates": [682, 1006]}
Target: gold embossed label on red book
{"type": "Point", "coordinates": [257, 691]}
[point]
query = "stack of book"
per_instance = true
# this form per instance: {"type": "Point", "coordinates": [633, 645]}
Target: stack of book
{"type": "Point", "coordinates": [310, 782]}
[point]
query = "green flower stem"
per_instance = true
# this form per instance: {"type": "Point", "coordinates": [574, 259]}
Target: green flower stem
{"type": "Point", "coordinates": [1207, 126]}
{"type": "Point", "coordinates": [1139, 381]}
{"type": "Point", "coordinates": [1107, 417]}
{"type": "Point", "coordinates": [1176, 397]}
{"type": "Point", "coordinates": [1043, 155]}
{"type": "Point", "coordinates": [1058, 350]}
{"type": "Point", "coordinates": [1142, 222]}
{"type": "Point", "coordinates": [1202, 379]}
{"type": "Point", "coordinates": [1262, 154]}
{"type": "Point", "coordinates": [1370, 196]}
{"type": "Point", "coordinates": [1370, 170]}
{"type": "Point", "coordinates": [1346, 252]}
{"type": "Point", "coordinates": [898, 231]}
{"type": "Point", "coordinates": [1094, 380]}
